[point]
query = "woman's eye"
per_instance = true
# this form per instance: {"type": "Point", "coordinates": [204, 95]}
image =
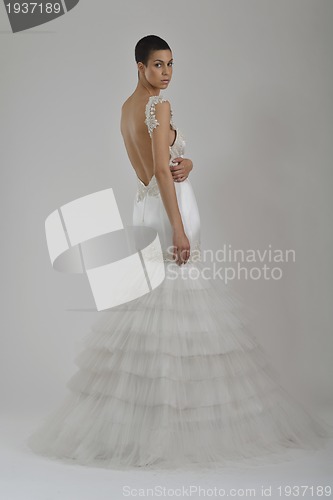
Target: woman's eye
{"type": "Point", "coordinates": [159, 64]}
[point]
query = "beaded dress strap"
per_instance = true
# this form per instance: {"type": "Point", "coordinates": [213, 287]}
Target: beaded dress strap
{"type": "Point", "coordinates": [151, 120]}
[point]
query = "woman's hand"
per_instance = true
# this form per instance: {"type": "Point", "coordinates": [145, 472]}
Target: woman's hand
{"type": "Point", "coordinates": [181, 246]}
{"type": "Point", "coordinates": [181, 171]}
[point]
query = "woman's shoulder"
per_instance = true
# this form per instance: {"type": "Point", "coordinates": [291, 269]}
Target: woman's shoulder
{"type": "Point", "coordinates": [151, 119]}
{"type": "Point", "coordinates": [128, 102]}
{"type": "Point", "coordinates": [156, 99]}
{"type": "Point", "coordinates": [153, 101]}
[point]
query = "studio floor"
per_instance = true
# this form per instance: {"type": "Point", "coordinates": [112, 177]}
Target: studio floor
{"type": "Point", "coordinates": [26, 476]}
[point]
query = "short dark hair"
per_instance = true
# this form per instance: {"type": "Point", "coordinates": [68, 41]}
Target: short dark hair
{"type": "Point", "coordinates": [149, 44]}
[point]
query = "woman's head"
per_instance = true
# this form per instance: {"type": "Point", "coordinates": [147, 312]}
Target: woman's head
{"type": "Point", "coordinates": [154, 60]}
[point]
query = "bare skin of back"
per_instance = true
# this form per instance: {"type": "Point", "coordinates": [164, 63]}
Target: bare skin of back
{"type": "Point", "coordinates": [136, 138]}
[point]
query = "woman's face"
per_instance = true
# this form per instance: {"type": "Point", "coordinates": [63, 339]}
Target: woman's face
{"type": "Point", "coordinates": [158, 71]}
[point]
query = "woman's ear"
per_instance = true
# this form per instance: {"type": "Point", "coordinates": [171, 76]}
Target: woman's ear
{"type": "Point", "coordinates": [140, 69]}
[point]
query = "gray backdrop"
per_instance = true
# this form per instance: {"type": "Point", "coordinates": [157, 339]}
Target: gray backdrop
{"type": "Point", "coordinates": [251, 91]}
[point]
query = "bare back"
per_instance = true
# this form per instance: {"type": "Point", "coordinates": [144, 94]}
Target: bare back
{"type": "Point", "coordinates": [136, 137]}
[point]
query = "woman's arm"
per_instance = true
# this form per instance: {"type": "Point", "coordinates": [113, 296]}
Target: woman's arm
{"type": "Point", "coordinates": [161, 158]}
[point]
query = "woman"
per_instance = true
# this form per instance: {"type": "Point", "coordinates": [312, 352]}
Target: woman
{"type": "Point", "coordinates": [173, 379]}
{"type": "Point", "coordinates": [151, 157]}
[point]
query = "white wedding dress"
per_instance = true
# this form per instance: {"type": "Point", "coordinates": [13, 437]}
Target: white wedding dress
{"type": "Point", "coordinates": [174, 379]}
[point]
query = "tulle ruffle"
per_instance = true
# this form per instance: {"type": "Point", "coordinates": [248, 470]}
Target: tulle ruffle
{"type": "Point", "coordinates": [174, 380]}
